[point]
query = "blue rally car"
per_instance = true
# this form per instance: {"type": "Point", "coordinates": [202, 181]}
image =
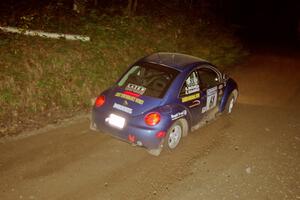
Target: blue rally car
{"type": "Point", "coordinates": [161, 98]}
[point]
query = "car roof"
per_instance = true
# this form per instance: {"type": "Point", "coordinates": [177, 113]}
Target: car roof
{"type": "Point", "coordinates": [175, 60]}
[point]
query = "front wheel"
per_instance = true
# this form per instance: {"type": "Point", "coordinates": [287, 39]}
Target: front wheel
{"type": "Point", "coordinates": [230, 104]}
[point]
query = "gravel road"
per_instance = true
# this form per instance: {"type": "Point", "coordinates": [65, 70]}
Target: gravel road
{"type": "Point", "coordinates": [252, 154]}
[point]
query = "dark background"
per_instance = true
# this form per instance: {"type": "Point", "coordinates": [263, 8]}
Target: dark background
{"type": "Point", "coordinates": [255, 20]}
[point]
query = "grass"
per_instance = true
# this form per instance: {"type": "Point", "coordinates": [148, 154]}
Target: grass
{"type": "Point", "coordinates": [45, 79]}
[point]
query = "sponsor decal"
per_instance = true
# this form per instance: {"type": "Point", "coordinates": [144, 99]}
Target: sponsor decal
{"type": "Point", "coordinates": [211, 100]}
{"type": "Point", "coordinates": [211, 91]}
{"type": "Point", "coordinates": [190, 97]}
{"type": "Point", "coordinates": [122, 108]}
{"type": "Point", "coordinates": [192, 89]}
{"type": "Point", "coordinates": [135, 88]}
{"type": "Point", "coordinates": [130, 98]}
{"type": "Point", "coordinates": [192, 79]}
{"type": "Point", "coordinates": [178, 115]}
{"type": "Point", "coordinates": [195, 103]}
{"type": "Point", "coordinates": [192, 84]}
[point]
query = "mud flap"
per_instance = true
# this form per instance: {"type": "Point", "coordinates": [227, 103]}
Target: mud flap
{"type": "Point", "coordinates": [156, 152]}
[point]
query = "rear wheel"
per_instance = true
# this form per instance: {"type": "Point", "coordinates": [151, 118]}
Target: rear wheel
{"type": "Point", "coordinates": [174, 135]}
{"type": "Point", "coordinates": [178, 130]}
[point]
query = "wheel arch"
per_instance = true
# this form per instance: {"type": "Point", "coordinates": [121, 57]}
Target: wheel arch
{"type": "Point", "coordinates": [185, 126]}
{"type": "Point", "coordinates": [231, 88]}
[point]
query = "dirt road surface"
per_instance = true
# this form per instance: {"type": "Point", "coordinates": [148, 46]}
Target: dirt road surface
{"type": "Point", "coordinates": [252, 154]}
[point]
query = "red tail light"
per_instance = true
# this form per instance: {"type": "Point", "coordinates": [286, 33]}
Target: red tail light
{"type": "Point", "coordinates": [100, 101]}
{"type": "Point", "coordinates": [152, 119]}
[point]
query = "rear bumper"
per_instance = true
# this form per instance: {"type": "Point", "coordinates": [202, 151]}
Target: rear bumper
{"type": "Point", "coordinates": [131, 133]}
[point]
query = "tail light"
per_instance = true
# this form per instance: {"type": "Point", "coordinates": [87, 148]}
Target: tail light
{"type": "Point", "coordinates": [152, 119]}
{"type": "Point", "coordinates": [100, 101]}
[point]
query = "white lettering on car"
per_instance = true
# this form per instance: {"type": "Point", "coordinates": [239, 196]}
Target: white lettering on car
{"type": "Point", "coordinates": [178, 115]}
{"type": "Point", "coordinates": [192, 89]}
{"type": "Point", "coordinates": [135, 88]}
{"type": "Point", "coordinates": [122, 108]}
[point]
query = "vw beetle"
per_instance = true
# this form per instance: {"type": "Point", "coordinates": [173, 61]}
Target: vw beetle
{"type": "Point", "coordinates": [161, 98]}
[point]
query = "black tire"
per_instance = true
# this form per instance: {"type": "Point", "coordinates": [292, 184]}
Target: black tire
{"type": "Point", "coordinates": [230, 104]}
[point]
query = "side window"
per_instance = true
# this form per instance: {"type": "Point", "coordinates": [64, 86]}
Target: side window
{"type": "Point", "coordinates": [191, 84]}
{"type": "Point", "coordinates": [208, 78]}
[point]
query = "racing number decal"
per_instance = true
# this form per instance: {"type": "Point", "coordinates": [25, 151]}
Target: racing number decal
{"type": "Point", "coordinates": [211, 100]}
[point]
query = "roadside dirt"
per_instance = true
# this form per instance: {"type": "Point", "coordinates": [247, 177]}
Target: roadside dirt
{"type": "Point", "coordinates": [252, 154]}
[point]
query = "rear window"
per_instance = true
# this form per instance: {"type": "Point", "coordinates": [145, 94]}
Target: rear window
{"type": "Point", "coordinates": [148, 79]}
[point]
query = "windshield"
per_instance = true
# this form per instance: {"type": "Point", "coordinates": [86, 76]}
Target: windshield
{"type": "Point", "coordinates": [148, 79]}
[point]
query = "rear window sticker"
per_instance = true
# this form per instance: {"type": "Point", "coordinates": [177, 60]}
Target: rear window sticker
{"type": "Point", "coordinates": [190, 97]}
{"type": "Point", "coordinates": [178, 115]}
{"type": "Point", "coordinates": [130, 98]}
{"type": "Point", "coordinates": [135, 88]}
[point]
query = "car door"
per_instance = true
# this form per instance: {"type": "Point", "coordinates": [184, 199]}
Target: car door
{"type": "Point", "coordinates": [211, 87]}
{"type": "Point", "coordinates": [191, 96]}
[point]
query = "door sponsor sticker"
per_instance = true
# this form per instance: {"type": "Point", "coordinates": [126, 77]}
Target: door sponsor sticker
{"type": "Point", "coordinates": [190, 97]}
{"type": "Point", "coordinates": [122, 108]}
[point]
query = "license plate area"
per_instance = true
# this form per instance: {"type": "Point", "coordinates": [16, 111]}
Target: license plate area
{"type": "Point", "coordinates": [116, 121]}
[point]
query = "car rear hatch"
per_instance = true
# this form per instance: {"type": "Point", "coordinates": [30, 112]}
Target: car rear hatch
{"type": "Point", "coordinates": [130, 102]}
